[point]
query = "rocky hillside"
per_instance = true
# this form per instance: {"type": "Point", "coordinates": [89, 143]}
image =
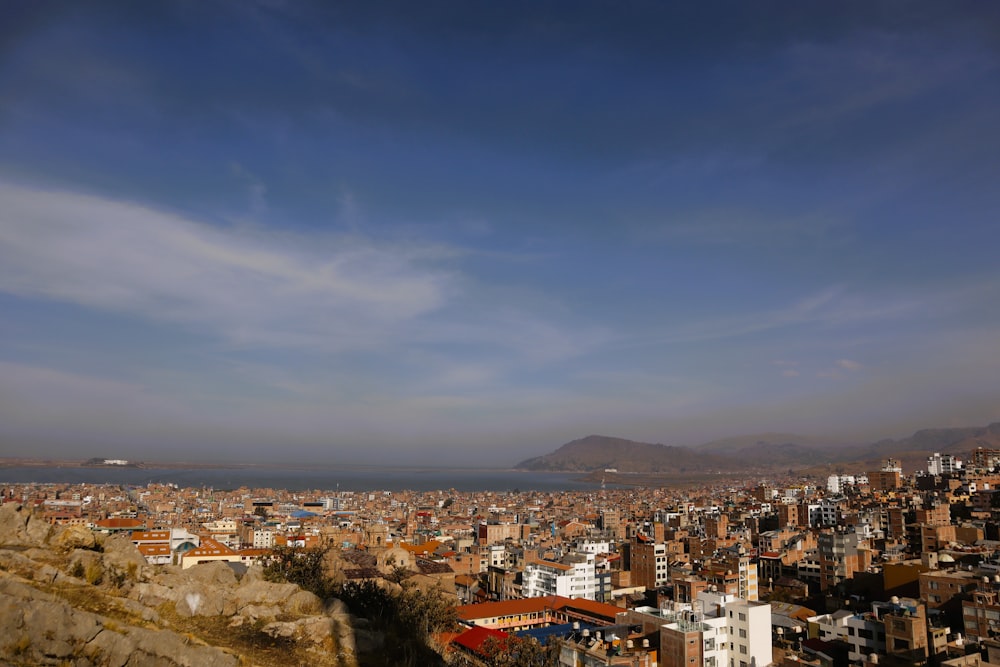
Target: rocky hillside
{"type": "Point", "coordinates": [68, 597]}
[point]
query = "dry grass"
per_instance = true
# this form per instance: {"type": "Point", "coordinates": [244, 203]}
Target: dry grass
{"type": "Point", "coordinates": [246, 641]}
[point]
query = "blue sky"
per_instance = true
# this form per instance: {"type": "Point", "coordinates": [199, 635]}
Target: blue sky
{"type": "Point", "coordinates": [465, 233]}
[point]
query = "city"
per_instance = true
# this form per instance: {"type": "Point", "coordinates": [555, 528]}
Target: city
{"type": "Point", "coordinates": [880, 565]}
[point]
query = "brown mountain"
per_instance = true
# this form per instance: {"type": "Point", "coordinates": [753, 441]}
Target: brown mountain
{"type": "Point", "coordinates": [913, 451]}
{"type": "Point", "coordinates": [777, 449]}
{"type": "Point", "coordinates": [597, 452]}
{"type": "Point", "coordinates": [769, 450]}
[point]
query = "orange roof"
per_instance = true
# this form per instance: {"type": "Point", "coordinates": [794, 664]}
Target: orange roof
{"type": "Point", "coordinates": [469, 612]}
{"type": "Point", "coordinates": [551, 563]}
{"type": "Point", "coordinates": [609, 611]}
{"type": "Point", "coordinates": [154, 549]}
{"type": "Point", "coordinates": [426, 547]}
{"type": "Point", "coordinates": [150, 535]}
{"type": "Point", "coordinates": [209, 547]}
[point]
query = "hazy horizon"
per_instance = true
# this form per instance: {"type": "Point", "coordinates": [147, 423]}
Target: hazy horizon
{"type": "Point", "coordinates": [472, 232]}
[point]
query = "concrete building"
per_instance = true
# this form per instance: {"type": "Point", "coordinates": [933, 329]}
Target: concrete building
{"type": "Point", "coordinates": [574, 577]}
{"type": "Point", "coordinates": [649, 564]}
{"type": "Point", "coordinates": [943, 464]}
{"type": "Point", "coordinates": [841, 554]}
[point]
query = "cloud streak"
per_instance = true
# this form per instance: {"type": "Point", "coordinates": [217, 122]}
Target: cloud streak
{"type": "Point", "coordinates": [246, 285]}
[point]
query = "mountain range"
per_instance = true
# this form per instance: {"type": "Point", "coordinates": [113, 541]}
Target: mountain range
{"type": "Point", "coordinates": [758, 452]}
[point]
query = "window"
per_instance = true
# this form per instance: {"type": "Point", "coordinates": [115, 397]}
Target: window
{"type": "Point", "coordinates": [743, 633]}
{"type": "Point", "coordinates": [743, 616]}
{"type": "Point", "coordinates": [743, 649]}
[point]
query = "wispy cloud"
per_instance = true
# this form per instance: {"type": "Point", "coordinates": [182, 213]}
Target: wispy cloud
{"type": "Point", "coordinates": [249, 286]}
{"type": "Point", "coordinates": [830, 306]}
{"type": "Point", "coordinates": [252, 287]}
{"type": "Point", "coordinates": [849, 365]}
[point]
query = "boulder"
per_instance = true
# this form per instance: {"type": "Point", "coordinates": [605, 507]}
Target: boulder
{"type": "Point", "coordinates": [74, 537]}
{"type": "Point", "coordinates": [20, 526]}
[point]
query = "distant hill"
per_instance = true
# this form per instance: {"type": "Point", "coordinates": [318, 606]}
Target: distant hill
{"type": "Point", "coordinates": [597, 452]}
{"type": "Point", "coordinates": [768, 450]}
{"type": "Point", "coordinates": [777, 449]}
{"type": "Point", "coordinates": [912, 450]}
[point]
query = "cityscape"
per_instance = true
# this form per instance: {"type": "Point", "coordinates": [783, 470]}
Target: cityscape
{"type": "Point", "coordinates": [885, 565]}
{"type": "Point", "coordinates": [298, 299]}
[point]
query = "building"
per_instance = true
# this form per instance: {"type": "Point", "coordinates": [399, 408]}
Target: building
{"type": "Point", "coordinates": [164, 547]}
{"type": "Point", "coordinates": [716, 630]}
{"type": "Point", "coordinates": [516, 615]}
{"type": "Point", "coordinates": [889, 478]}
{"type": "Point", "coordinates": [749, 626]}
{"type": "Point", "coordinates": [938, 464]}
{"type": "Point", "coordinates": [981, 614]}
{"type": "Point", "coordinates": [841, 554]}
{"type": "Point", "coordinates": [574, 577]}
{"type": "Point", "coordinates": [649, 564]}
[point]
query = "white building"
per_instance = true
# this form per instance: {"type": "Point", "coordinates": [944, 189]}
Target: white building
{"type": "Point", "coordinates": [263, 538]}
{"type": "Point", "coordinates": [838, 483]}
{"type": "Point", "coordinates": [592, 546]}
{"type": "Point", "coordinates": [824, 513]}
{"type": "Point", "coordinates": [725, 631]}
{"type": "Point", "coordinates": [864, 632]}
{"type": "Point", "coordinates": [574, 577]}
{"type": "Point", "coordinates": [749, 625]}
{"type": "Point", "coordinates": [943, 464]}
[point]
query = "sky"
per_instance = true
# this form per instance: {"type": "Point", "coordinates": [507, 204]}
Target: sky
{"type": "Point", "coordinates": [465, 233]}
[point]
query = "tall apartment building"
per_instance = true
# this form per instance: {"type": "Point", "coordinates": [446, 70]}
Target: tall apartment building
{"type": "Point", "coordinates": [716, 630]}
{"type": "Point", "coordinates": [574, 577]}
{"type": "Point", "coordinates": [610, 522]}
{"type": "Point", "coordinates": [985, 458]}
{"type": "Point", "coordinates": [788, 515]}
{"type": "Point", "coordinates": [749, 633]}
{"type": "Point", "coordinates": [889, 478]}
{"type": "Point", "coordinates": [981, 614]}
{"type": "Point", "coordinates": [840, 556]}
{"type": "Point", "coordinates": [946, 464]}
{"type": "Point", "coordinates": [839, 483]}
{"type": "Point", "coordinates": [716, 526]}
{"type": "Point", "coordinates": [746, 572]}
{"type": "Point", "coordinates": [648, 561]}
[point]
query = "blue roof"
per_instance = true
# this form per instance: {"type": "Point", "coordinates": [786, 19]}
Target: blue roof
{"type": "Point", "coordinates": [561, 631]}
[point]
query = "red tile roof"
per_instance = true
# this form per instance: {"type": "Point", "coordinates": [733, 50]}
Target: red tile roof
{"type": "Point", "coordinates": [474, 638]}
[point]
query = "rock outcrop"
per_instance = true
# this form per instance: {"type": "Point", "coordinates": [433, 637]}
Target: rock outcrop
{"type": "Point", "coordinates": [69, 597]}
